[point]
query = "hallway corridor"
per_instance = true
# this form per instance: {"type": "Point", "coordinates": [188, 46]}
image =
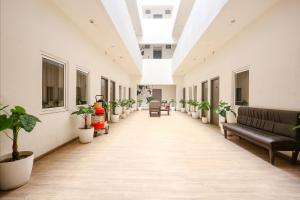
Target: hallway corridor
{"type": "Point", "coordinates": [171, 157]}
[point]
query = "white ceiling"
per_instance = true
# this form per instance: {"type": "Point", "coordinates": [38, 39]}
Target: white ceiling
{"type": "Point", "coordinates": [241, 12]}
{"type": "Point", "coordinates": [102, 32]}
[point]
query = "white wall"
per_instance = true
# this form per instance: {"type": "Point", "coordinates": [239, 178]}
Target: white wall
{"type": "Point", "coordinates": [157, 72]}
{"type": "Point", "coordinates": [166, 53]}
{"type": "Point", "coordinates": [28, 28]}
{"type": "Point", "coordinates": [269, 48]}
{"type": "Point", "coordinates": [202, 14]}
{"type": "Point", "coordinates": [125, 28]}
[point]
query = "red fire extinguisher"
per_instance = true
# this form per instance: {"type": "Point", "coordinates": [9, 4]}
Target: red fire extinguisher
{"type": "Point", "coordinates": [99, 120]}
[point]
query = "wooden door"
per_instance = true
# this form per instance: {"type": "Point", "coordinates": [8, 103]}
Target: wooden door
{"type": "Point", "coordinates": [214, 117]}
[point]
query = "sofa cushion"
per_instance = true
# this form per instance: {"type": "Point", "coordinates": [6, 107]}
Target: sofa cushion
{"type": "Point", "coordinates": [279, 122]}
{"type": "Point", "coordinates": [260, 137]}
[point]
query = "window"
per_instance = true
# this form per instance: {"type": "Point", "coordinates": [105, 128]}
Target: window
{"type": "Point", "coordinates": [168, 46]}
{"type": "Point", "coordinates": [81, 88]}
{"type": "Point", "coordinates": [157, 54]}
{"type": "Point", "coordinates": [242, 88]}
{"type": "Point", "coordinates": [120, 92]}
{"type": "Point", "coordinates": [112, 91]}
{"type": "Point", "coordinates": [104, 88]}
{"type": "Point", "coordinates": [147, 12]}
{"type": "Point", "coordinates": [168, 12]}
{"type": "Point", "coordinates": [147, 46]}
{"type": "Point", "coordinates": [53, 85]}
{"type": "Point", "coordinates": [157, 16]}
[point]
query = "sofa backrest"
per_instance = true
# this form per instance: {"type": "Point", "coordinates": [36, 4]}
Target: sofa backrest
{"type": "Point", "coordinates": [279, 122]}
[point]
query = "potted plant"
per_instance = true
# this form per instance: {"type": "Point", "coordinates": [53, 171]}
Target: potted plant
{"type": "Point", "coordinates": [222, 110]}
{"type": "Point", "coordinates": [114, 116]}
{"type": "Point", "coordinates": [182, 102]}
{"type": "Point", "coordinates": [127, 107]}
{"type": "Point", "coordinates": [15, 168]}
{"type": "Point", "coordinates": [131, 103]}
{"type": "Point", "coordinates": [139, 101]}
{"type": "Point", "coordinates": [172, 104]}
{"type": "Point", "coordinates": [204, 107]}
{"type": "Point", "coordinates": [195, 113]}
{"type": "Point", "coordinates": [86, 133]}
{"type": "Point", "coordinates": [189, 102]}
{"type": "Point", "coordinates": [123, 104]}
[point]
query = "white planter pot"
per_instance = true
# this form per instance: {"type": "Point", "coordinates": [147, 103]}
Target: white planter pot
{"type": "Point", "coordinates": [118, 110]}
{"type": "Point", "coordinates": [189, 113]}
{"type": "Point", "coordinates": [182, 110]}
{"type": "Point", "coordinates": [86, 135]}
{"type": "Point", "coordinates": [115, 118]}
{"type": "Point", "coordinates": [127, 112]}
{"type": "Point", "coordinates": [123, 116]}
{"type": "Point", "coordinates": [195, 115]}
{"type": "Point", "coordinates": [140, 108]}
{"type": "Point", "coordinates": [173, 108]}
{"type": "Point", "coordinates": [132, 109]}
{"type": "Point", "coordinates": [16, 173]}
{"type": "Point", "coordinates": [204, 120]}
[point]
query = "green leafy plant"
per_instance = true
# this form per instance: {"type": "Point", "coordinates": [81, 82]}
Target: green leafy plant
{"type": "Point", "coordinates": [16, 120]}
{"type": "Point", "coordinates": [223, 108]}
{"type": "Point", "coordinates": [131, 102]}
{"type": "Point", "coordinates": [194, 104]}
{"type": "Point", "coordinates": [113, 105]}
{"type": "Point", "coordinates": [189, 102]}
{"type": "Point", "coordinates": [139, 101]}
{"type": "Point", "coordinates": [182, 102]}
{"type": "Point", "coordinates": [84, 112]}
{"type": "Point", "coordinates": [123, 104]}
{"type": "Point", "coordinates": [204, 106]}
{"type": "Point", "coordinates": [172, 102]}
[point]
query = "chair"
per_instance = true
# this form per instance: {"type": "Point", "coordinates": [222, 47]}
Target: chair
{"type": "Point", "coordinates": [154, 107]}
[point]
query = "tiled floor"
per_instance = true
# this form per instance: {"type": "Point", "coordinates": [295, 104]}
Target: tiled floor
{"type": "Point", "coordinates": [171, 157]}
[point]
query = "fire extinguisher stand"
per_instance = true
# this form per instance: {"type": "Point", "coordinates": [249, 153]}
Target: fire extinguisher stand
{"type": "Point", "coordinates": [99, 121]}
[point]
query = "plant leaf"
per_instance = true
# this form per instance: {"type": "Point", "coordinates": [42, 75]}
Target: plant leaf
{"type": "Point", "coordinates": [28, 122]}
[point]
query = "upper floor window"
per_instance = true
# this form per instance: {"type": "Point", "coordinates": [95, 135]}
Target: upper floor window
{"type": "Point", "coordinates": [157, 16]}
{"type": "Point", "coordinates": [148, 12]}
{"type": "Point", "coordinates": [81, 87]}
{"type": "Point", "coordinates": [157, 54]}
{"type": "Point", "coordinates": [168, 46]}
{"type": "Point", "coordinates": [53, 83]}
{"type": "Point", "coordinates": [168, 12]}
{"type": "Point", "coordinates": [242, 88]}
{"type": "Point", "coordinates": [147, 46]}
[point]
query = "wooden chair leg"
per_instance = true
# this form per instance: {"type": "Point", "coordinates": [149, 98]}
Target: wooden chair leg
{"type": "Point", "coordinates": [272, 156]}
{"type": "Point", "coordinates": [225, 134]}
{"type": "Point", "coordinates": [295, 157]}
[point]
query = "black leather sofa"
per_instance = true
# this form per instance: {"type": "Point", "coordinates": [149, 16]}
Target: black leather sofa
{"type": "Point", "coordinates": [270, 129]}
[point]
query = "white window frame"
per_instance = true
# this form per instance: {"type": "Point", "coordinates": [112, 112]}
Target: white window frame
{"type": "Point", "coordinates": [234, 73]}
{"type": "Point", "coordinates": [66, 72]}
{"type": "Point", "coordinates": [81, 69]}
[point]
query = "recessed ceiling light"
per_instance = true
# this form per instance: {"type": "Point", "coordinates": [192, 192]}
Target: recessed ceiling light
{"type": "Point", "coordinates": [232, 21]}
{"type": "Point", "coordinates": [91, 21]}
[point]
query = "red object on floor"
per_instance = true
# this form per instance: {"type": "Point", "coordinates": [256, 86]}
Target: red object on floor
{"type": "Point", "coordinates": [98, 125]}
{"type": "Point", "coordinates": [100, 110]}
